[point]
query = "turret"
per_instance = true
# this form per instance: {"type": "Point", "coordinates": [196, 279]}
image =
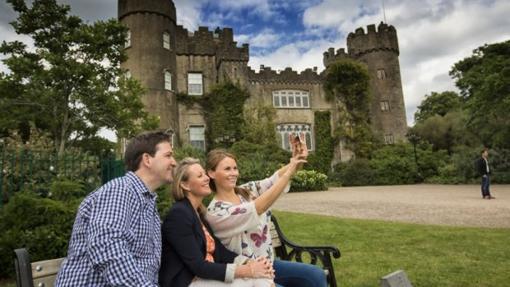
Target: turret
{"type": "Point", "coordinates": [378, 49]}
{"type": "Point", "coordinates": [151, 51]}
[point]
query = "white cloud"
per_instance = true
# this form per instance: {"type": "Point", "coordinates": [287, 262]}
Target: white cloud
{"type": "Point", "coordinates": [188, 13]}
{"type": "Point", "coordinates": [265, 39]}
{"type": "Point", "coordinates": [433, 35]}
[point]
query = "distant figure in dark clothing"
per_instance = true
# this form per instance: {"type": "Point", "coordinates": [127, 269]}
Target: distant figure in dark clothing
{"type": "Point", "coordinates": [484, 171]}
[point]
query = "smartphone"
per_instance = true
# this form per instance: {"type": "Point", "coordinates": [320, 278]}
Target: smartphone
{"type": "Point", "coordinates": [297, 138]}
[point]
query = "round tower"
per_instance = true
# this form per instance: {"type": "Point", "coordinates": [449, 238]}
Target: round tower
{"type": "Point", "coordinates": [379, 51]}
{"type": "Point", "coordinates": [151, 54]}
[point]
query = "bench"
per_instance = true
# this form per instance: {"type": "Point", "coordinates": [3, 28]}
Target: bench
{"type": "Point", "coordinates": [288, 250]}
{"type": "Point", "coordinates": [44, 273]}
{"type": "Point", "coordinates": [35, 274]}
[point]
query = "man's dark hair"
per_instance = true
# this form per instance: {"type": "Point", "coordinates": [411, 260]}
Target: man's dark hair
{"type": "Point", "coordinates": [143, 143]}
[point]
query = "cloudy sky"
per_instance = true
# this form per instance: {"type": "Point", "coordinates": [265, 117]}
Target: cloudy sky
{"type": "Point", "coordinates": [433, 34]}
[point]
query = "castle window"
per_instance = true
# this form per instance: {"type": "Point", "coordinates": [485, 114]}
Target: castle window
{"type": "Point", "coordinates": [276, 101]}
{"type": "Point", "coordinates": [385, 106]}
{"type": "Point", "coordinates": [291, 99]}
{"type": "Point", "coordinates": [166, 40]}
{"type": "Point", "coordinates": [127, 44]}
{"type": "Point", "coordinates": [293, 128]}
{"type": "Point", "coordinates": [168, 81]}
{"type": "Point", "coordinates": [197, 136]}
{"type": "Point", "coordinates": [381, 74]}
{"type": "Point", "coordinates": [388, 139]}
{"type": "Point", "coordinates": [128, 74]}
{"type": "Point", "coordinates": [195, 86]}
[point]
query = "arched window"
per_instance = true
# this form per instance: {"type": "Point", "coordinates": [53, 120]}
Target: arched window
{"type": "Point", "coordinates": [291, 99]}
{"type": "Point", "coordinates": [294, 128]}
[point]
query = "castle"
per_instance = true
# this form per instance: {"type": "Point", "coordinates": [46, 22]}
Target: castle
{"type": "Point", "coordinates": [168, 59]}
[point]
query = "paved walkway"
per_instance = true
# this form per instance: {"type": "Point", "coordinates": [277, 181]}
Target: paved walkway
{"type": "Point", "coordinates": [457, 205]}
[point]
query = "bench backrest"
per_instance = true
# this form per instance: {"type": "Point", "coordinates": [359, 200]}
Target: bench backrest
{"type": "Point", "coordinates": [35, 274]}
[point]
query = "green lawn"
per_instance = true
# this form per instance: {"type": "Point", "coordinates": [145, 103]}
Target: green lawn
{"type": "Point", "coordinates": [430, 255]}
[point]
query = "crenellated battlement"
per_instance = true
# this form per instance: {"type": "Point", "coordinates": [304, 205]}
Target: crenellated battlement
{"type": "Point", "coordinates": [266, 74]}
{"type": "Point", "coordinates": [330, 56]}
{"type": "Point", "coordinates": [219, 42]}
{"type": "Point", "coordinates": [384, 38]}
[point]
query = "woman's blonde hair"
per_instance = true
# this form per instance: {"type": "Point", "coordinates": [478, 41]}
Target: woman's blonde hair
{"type": "Point", "coordinates": [213, 159]}
{"type": "Point", "coordinates": [181, 174]}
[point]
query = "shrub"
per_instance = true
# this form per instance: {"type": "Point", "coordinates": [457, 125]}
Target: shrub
{"type": "Point", "coordinates": [394, 164]}
{"type": "Point", "coordinates": [354, 173]}
{"type": "Point", "coordinates": [41, 225]}
{"type": "Point", "coordinates": [66, 190]}
{"type": "Point", "coordinates": [256, 162]}
{"type": "Point", "coordinates": [189, 151]}
{"type": "Point", "coordinates": [308, 180]}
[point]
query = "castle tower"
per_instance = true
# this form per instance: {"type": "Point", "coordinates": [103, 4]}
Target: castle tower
{"type": "Point", "coordinates": [151, 51]}
{"type": "Point", "coordinates": [379, 51]}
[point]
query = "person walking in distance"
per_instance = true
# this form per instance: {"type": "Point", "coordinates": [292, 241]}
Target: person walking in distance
{"type": "Point", "coordinates": [484, 171]}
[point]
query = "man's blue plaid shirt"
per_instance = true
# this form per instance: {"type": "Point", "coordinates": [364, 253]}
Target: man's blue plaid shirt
{"type": "Point", "coordinates": [116, 239]}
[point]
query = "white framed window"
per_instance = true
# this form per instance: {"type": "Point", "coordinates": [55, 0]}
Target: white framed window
{"type": "Point", "coordinates": [166, 40]}
{"type": "Point", "coordinates": [168, 81]}
{"type": "Point", "coordinates": [388, 139]}
{"type": "Point", "coordinates": [292, 99]}
{"type": "Point", "coordinates": [385, 106]}
{"type": "Point", "coordinates": [197, 136]}
{"type": "Point", "coordinates": [381, 74]}
{"type": "Point", "coordinates": [127, 44]}
{"type": "Point", "coordinates": [195, 85]}
{"type": "Point", "coordinates": [289, 128]}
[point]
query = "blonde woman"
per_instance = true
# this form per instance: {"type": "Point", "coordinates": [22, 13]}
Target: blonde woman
{"type": "Point", "coordinates": [240, 216]}
{"type": "Point", "coordinates": [192, 255]}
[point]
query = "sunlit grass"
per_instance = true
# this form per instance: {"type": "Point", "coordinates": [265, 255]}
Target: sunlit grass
{"type": "Point", "coordinates": [430, 255]}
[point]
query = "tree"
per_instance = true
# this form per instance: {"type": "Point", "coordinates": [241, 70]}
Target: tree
{"type": "Point", "coordinates": [445, 132]}
{"type": "Point", "coordinates": [484, 83]}
{"type": "Point", "coordinates": [438, 104]}
{"type": "Point", "coordinates": [70, 84]}
{"type": "Point", "coordinates": [347, 83]}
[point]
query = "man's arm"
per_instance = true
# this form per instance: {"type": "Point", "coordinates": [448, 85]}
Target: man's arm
{"type": "Point", "coordinates": [107, 239]}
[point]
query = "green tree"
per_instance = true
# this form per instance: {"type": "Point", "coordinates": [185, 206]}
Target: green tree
{"type": "Point", "coordinates": [445, 132]}
{"type": "Point", "coordinates": [484, 83]}
{"type": "Point", "coordinates": [347, 83]}
{"type": "Point", "coordinates": [438, 104]}
{"type": "Point", "coordinates": [70, 84]}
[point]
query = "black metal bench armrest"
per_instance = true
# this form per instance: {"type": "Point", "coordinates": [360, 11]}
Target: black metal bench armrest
{"type": "Point", "coordinates": [292, 251]}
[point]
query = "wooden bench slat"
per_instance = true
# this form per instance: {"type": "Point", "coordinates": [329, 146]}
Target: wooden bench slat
{"type": "Point", "coordinates": [46, 267]}
{"type": "Point", "coordinates": [47, 281]}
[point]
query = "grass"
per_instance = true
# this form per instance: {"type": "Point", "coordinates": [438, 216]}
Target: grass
{"type": "Point", "coordinates": [430, 255]}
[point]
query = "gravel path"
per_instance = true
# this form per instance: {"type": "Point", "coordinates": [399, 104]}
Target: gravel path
{"type": "Point", "coordinates": [456, 205]}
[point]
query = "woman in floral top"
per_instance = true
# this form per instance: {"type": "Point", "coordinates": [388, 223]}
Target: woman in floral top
{"type": "Point", "coordinates": [192, 255]}
{"type": "Point", "coordinates": [240, 216]}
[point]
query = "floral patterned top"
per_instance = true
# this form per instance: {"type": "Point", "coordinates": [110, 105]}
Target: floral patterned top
{"type": "Point", "coordinates": [239, 227]}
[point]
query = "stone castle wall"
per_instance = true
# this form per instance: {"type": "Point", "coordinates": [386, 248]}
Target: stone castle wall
{"type": "Point", "coordinates": [218, 57]}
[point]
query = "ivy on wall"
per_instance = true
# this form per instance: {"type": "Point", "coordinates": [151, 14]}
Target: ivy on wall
{"type": "Point", "coordinates": [321, 159]}
{"type": "Point", "coordinates": [223, 113]}
{"type": "Point", "coordinates": [347, 83]}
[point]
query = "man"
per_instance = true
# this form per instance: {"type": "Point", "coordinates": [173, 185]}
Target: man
{"type": "Point", "coordinates": [116, 239]}
{"type": "Point", "coordinates": [484, 171]}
